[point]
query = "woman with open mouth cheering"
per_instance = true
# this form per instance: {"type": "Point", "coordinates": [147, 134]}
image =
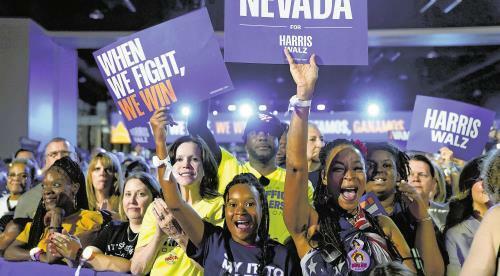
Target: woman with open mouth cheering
{"type": "Point", "coordinates": [336, 237]}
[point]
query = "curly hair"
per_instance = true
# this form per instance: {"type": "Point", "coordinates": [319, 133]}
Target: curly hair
{"type": "Point", "coordinates": [263, 231]}
{"type": "Point", "coordinates": [400, 158]}
{"type": "Point", "coordinates": [210, 182]}
{"type": "Point", "coordinates": [326, 205]}
{"type": "Point", "coordinates": [490, 173]}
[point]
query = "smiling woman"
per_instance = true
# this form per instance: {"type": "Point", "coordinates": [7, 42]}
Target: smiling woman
{"type": "Point", "coordinates": [62, 209]}
{"type": "Point", "coordinates": [243, 246]}
{"type": "Point", "coordinates": [114, 245]}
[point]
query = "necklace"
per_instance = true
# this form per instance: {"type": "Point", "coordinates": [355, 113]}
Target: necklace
{"type": "Point", "coordinates": [134, 236]}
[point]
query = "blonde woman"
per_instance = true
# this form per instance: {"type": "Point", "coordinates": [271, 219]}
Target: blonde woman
{"type": "Point", "coordinates": [104, 179]}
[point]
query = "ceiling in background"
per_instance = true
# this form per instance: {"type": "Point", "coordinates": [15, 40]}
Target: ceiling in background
{"type": "Point", "coordinates": [394, 76]}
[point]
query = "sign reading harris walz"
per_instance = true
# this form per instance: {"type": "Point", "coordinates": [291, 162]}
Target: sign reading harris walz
{"type": "Point", "coordinates": [162, 66]}
{"type": "Point", "coordinates": [257, 31]}
{"type": "Point", "coordinates": [459, 126]}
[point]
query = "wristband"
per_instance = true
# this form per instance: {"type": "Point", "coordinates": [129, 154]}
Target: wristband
{"type": "Point", "coordinates": [168, 166]}
{"type": "Point", "coordinates": [87, 254]}
{"type": "Point", "coordinates": [296, 102]}
{"type": "Point", "coordinates": [35, 254]}
{"type": "Point", "coordinates": [427, 218]}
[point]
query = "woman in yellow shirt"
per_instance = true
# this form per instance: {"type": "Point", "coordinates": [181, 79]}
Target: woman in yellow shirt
{"type": "Point", "coordinates": [62, 208]}
{"type": "Point", "coordinates": [160, 249]}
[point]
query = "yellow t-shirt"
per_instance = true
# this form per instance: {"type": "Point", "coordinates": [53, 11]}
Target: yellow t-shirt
{"type": "Point", "coordinates": [229, 167]}
{"type": "Point", "coordinates": [171, 259]}
{"type": "Point", "coordinates": [89, 221]}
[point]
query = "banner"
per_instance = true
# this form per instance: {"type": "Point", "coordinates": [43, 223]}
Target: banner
{"type": "Point", "coordinates": [162, 66]}
{"type": "Point", "coordinates": [459, 126]}
{"type": "Point", "coordinates": [257, 31]}
{"type": "Point", "coordinates": [228, 127]}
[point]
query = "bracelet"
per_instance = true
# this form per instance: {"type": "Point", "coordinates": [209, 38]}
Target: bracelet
{"type": "Point", "coordinates": [35, 254]}
{"type": "Point", "coordinates": [296, 102]}
{"type": "Point", "coordinates": [57, 229]}
{"type": "Point", "coordinates": [427, 218]}
{"type": "Point", "coordinates": [166, 162]}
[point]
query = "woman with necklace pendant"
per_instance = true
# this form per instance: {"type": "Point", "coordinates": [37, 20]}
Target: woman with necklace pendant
{"type": "Point", "coordinates": [114, 246]}
{"type": "Point", "coordinates": [336, 237]}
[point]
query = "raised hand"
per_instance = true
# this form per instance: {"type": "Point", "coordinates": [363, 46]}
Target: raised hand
{"type": "Point", "coordinates": [159, 120]}
{"type": "Point", "coordinates": [304, 75]}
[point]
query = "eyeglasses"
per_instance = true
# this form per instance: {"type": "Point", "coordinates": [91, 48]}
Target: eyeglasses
{"type": "Point", "coordinates": [22, 175]}
{"type": "Point", "coordinates": [61, 153]}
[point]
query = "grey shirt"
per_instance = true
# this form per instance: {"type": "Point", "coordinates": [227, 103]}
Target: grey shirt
{"type": "Point", "coordinates": [28, 202]}
{"type": "Point", "coordinates": [458, 241]}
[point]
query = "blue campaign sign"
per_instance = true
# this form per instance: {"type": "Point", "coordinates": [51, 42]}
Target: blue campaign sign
{"type": "Point", "coordinates": [257, 31]}
{"type": "Point", "coordinates": [462, 127]}
{"type": "Point", "coordinates": [161, 66]}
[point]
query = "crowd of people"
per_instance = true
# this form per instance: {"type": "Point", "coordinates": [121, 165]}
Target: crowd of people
{"type": "Point", "coordinates": [296, 207]}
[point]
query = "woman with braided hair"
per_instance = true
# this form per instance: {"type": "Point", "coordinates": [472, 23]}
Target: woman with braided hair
{"type": "Point", "coordinates": [336, 237]}
{"type": "Point", "coordinates": [407, 206]}
{"type": "Point", "coordinates": [63, 208]}
{"type": "Point", "coordinates": [243, 245]}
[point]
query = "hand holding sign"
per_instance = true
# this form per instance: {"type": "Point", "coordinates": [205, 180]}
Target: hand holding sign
{"type": "Point", "coordinates": [304, 75]}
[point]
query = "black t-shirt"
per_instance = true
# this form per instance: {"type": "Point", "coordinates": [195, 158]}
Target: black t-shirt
{"type": "Point", "coordinates": [117, 239]}
{"type": "Point", "coordinates": [213, 257]}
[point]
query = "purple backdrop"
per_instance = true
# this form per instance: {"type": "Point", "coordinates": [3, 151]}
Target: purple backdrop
{"type": "Point", "coordinates": [459, 126]}
{"type": "Point", "coordinates": [256, 31]}
{"type": "Point", "coordinates": [162, 66]}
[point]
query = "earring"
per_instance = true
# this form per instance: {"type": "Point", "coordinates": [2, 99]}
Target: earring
{"type": "Point", "coordinates": [74, 201]}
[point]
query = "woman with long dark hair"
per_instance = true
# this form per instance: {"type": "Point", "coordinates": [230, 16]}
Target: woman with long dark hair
{"type": "Point", "coordinates": [467, 209]}
{"type": "Point", "coordinates": [336, 237]}
{"type": "Point", "coordinates": [484, 253]}
{"type": "Point", "coordinates": [63, 208]}
{"type": "Point", "coordinates": [160, 248]}
{"type": "Point", "coordinates": [244, 239]}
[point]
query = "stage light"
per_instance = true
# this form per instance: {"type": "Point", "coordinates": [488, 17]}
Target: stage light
{"type": "Point", "coordinates": [262, 107]}
{"type": "Point", "coordinates": [373, 109]}
{"type": "Point", "coordinates": [185, 110]}
{"type": "Point", "coordinates": [321, 107]}
{"type": "Point", "coordinates": [246, 110]}
{"type": "Point", "coordinates": [215, 112]}
{"type": "Point", "coordinates": [275, 113]}
{"type": "Point", "coordinates": [231, 107]}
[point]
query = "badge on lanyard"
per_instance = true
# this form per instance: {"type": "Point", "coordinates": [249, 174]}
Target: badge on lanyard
{"type": "Point", "coordinates": [358, 258]}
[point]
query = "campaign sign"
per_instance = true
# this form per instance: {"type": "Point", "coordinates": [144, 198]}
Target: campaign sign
{"type": "Point", "coordinates": [459, 126]}
{"type": "Point", "coordinates": [257, 31]}
{"type": "Point", "coordinates": [370, 203]}
{"type": "Point", "coordinates": [161, 66]}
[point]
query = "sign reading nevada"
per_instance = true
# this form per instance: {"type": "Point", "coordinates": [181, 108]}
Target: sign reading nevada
{"type": "Point", "coordinates": [257, 31]}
